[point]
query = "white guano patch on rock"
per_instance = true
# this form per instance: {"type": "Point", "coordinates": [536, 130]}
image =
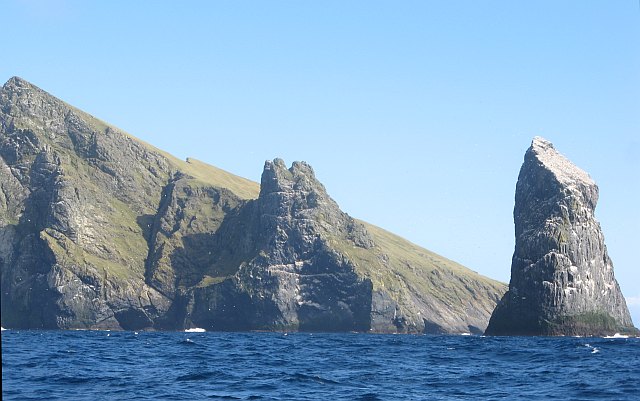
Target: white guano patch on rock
{"type": "Point", "coordinates": [565, 171]}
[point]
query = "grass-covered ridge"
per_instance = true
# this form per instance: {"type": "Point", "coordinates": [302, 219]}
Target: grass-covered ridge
{"type": "Point", "coordinates": [403, 268]}
{"type": "Point", "coordinates": [200, 171]}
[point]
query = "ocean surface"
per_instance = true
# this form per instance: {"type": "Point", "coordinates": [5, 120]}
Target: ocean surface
{"type": "Point", "coordinates": [99, 365]}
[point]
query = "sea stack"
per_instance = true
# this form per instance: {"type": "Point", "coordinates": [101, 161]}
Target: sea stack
{"type": "Point", "coordinates": [562, 280]}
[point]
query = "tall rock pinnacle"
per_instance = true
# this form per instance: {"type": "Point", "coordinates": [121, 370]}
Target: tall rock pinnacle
{"type": "Point", "coordinates": [562, 280]}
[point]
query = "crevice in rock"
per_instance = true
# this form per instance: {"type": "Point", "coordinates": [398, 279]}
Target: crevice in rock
{"type": "Point", "coordinates": [151, 225]}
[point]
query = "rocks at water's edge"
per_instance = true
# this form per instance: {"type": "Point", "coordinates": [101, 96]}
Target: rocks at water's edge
{"type": "Point", "coordinates": [562, 280]}
{"type": "Point", "coordinates": [100, 230]}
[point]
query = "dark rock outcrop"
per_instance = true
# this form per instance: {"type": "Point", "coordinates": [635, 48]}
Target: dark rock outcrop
{"type": "Point", "coordinates": [562, 280]}
{"type": "Point", "coordinates": [290, 277]}
{"type": "Point", "coordinates": [101, 230]}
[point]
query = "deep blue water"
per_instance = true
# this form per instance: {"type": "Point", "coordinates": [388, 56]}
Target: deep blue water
{"type": "Point", "coordinates": [98, 365]}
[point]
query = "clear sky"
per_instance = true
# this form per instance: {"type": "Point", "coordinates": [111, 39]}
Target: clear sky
{"type": "Point", "coordinates": [414, 114]}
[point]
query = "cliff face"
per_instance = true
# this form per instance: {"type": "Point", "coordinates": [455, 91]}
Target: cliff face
{"type": "Point", "coordinates": [562, 280]}
{"type": "Point", "coordinates": [100, 230]}
{"type": "Point", "coordinates": [288, 276]}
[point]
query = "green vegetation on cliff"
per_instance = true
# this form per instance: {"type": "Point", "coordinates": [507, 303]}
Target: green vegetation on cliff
{"type": "Point", "coordinates": [101, 230]}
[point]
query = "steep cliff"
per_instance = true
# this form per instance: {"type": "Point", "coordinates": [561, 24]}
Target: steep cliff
{"type": "Point", "coordinates": [78, 199]}
{"type": "Point", "coordinates": [101, 230]}
{"type": "Point", "coordinates": [562, 280]}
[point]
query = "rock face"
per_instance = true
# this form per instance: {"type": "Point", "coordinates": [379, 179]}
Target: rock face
{"type": "Point", "coordinates": [100, 230]}
{"type": "Point", "coordinates": [290, 277]}
{"type": "Point", "coordinates": [562, 280]}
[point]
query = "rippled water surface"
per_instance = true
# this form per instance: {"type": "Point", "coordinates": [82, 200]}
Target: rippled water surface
{"type": "Point", "coordinates": [92, 365]}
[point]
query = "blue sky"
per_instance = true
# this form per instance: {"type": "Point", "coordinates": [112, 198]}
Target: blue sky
{"type": "Point", "coordinates": [415, 115]}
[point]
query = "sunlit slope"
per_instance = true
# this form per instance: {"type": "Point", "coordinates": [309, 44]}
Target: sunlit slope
{"type": "Point", "coordinates": [425, 284]}
{"type": "Point", "coordinates": [201, 171]}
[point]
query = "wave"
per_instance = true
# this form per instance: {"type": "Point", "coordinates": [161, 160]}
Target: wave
{"type": "Point", "coordinates": [197, 376]}
{"type": "Point", "coordinates": [301, 377]}
{"type": "Point", "coordinates": [617, 335]}
{"type": "Point", "coordinates": [593, 349]}
{"type": "Point", "coordinates": [195, 330]}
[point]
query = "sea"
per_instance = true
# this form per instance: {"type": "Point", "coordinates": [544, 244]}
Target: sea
{"type": "Point", "coordinates": [102, 365]}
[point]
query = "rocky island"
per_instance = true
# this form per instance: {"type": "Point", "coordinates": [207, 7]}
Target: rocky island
{"type": "Point", "coordinates": [99, 230]}
{"type": "Point", "coordinates": [562, 280]}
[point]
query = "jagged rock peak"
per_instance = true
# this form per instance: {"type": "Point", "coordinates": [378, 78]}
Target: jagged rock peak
{"type": "Point", "coordinates": [564, 170]}
{"type": "Point", "coordinates": [547, 170]}
{"type": "Point", "coordinates": [17, 83]}
{"type": "Point", "coordinates": [295, 192]}
{"type": "Point", "coordinates": [276, 177]}
{"type": "Point", "coordinates": [562, 280]}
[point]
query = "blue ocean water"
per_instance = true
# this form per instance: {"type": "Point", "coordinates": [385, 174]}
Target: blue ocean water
{"type": "Point", "coordinates": [99, 365]}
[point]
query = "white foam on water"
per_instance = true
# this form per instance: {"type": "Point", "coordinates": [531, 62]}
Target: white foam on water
{"type": "Point", "coordinates": [195, 330]}
{"type": "Point", "coordinates": [3, 329]}
{"type": "Point", "coordinates": [465, 334]}
{"type": "Point", "coordinates": [617, 335]}
{"type": "Point", "coordinates": [594, 350]}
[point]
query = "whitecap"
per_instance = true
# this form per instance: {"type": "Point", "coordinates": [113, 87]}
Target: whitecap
{"type": "Point", "coordinates": [594, 350]}
{"type": "Point", "coordinates": [195, 330]}
{"type": "Point", "coordinates": [617, 335]}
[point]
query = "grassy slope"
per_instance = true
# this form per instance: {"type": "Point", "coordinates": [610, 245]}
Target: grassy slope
{"type": "Point", "coordinates": [402, 268]}
{"type": "Point", "coordinates": [124, 244]}
{"type": "Point", "coordinates": [200, 171]}
{"type": "Point", "coordinates": [124, 232]}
